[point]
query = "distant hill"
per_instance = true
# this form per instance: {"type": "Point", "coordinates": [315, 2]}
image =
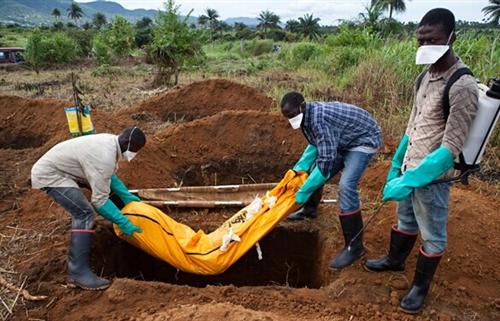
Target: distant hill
{"type": "Point", "coordinates": [38, 12]}
{"type": "Point", "coordinates": [251, 22]}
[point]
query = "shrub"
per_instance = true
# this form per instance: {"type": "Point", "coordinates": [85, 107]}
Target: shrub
{"type": "Point", "coordinates": [259, 47]}
{"type": "Point", "coordinates": [227, 46]}
{"type": "Point", "coordinates": [277, 35]}
{"type": "Point", "coordinates": [353, 37]}
{"type": "Point", "coordinates": [303, 52]}
{"type": "Point", "coordinates": [143, 34]}
{"type": "Point", "coordinates": [143, 37]}
{"type": "Point", "coordinates": [120, 38]}
{"type": "Point", "coordinates": [346, 37]}
{"type": "Point", "coordinates": [101, 50]}
{"type": "Point", "coordinates": [58, 25]}
{"type": "Point", "coordinates": [83, 40]}
{"type": "Point", "coordinates": [34, 51]}
{"type": "Point", "coordinates": [61, 48]}
{"type": "Point", "coordinates": [102, 70]}
{"type": "Point", "coordinates": [346, 57]}
{"type": "Point", "coordinates": [175, 45]}
{"type": "Point", "coordinates": [49, 48]}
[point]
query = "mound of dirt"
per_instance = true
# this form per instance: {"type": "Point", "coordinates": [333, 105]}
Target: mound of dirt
{"type": "Point", "coordinates": [28, 128]}
{"type": "Point", "coordinates": [31, 123]}
{"type": "Point", "coordinates": [201, 99]}
{"type": "Point", "coordinates": [232, 147]}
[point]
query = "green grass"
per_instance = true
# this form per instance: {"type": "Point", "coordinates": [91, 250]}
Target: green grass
{"type": "Point", "coordinates": [363, 69]}
{"type": "Point", "coordinates": [14, 37]}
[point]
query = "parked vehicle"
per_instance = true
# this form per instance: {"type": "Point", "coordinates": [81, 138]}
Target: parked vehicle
{"type": "Point", "coordinates": [11, 55]}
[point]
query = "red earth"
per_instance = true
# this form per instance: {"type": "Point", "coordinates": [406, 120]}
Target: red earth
{"type": "Point", "coordinates": [230, 137]}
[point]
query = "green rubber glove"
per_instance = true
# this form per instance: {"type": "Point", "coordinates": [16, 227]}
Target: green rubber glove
{"type": "Point", "coordinates": [397, 159]}
{"type": "Point", "coordinates": [121, 190]}
{"type": "Point", "coordinates": [110, 212]}
{"type": "Point", "coordinates": [431, 167]}
{"type": "Point", "coordinates": [313, 182]}
{"type": "Point", "coordinates": [307, 159]}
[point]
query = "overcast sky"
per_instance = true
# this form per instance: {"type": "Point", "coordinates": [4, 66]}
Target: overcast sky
{"type": "Point", "coordinates": [328, 10]}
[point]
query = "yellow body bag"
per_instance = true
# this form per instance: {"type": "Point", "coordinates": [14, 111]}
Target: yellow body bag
{"type": "Point", "coordinates": [211, 254]}
{"type": "Point", "coordinates": [79, 121]}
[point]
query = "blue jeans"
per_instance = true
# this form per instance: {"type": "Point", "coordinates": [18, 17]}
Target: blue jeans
{"type": "Point", "coordinates": [73, 201]}
{"type": "Point", "coordinates": [426, 209]}
{"type": "Point", "coordinates": [352, 164]}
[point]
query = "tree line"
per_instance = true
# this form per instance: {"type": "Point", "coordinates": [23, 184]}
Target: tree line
{"type": "Point", "coordinates": [271, 26]}
{"type": "Point", "coordinates": [171, 42]}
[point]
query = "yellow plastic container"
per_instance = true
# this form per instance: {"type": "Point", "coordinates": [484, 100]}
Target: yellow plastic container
{"type": "Point", "coordinates": [79, 121]}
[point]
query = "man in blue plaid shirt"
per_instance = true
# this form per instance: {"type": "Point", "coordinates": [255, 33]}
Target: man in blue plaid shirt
{"type": "Point", "coordinates": [341, 137]}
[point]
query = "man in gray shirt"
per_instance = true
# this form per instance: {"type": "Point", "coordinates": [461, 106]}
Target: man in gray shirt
{"type": "Point", "coordinates": [92, 160]}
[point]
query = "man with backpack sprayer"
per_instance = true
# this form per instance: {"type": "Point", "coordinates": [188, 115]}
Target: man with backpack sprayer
{"type": "Point", "coordinates": [445, 104]}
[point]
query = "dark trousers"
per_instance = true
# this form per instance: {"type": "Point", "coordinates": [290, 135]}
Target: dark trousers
{"type": "Point", "coordinates": [73, 201]}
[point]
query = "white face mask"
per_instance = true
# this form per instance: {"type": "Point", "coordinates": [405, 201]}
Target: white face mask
{"type": "Point", "coordinates": [296, 121]}
{"type": "Point", "coordinates": [128, 155]}
{"type": "Point", "coordinates": [429, 54]}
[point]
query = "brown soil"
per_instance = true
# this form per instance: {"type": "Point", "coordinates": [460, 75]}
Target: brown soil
{"type": "Point", "coordinates": [28, 128]}
{"type": "Point", "coordinates": [201, 99]}
{"type": "Point", "coordinates": [228, 147]}
{"type": "Point", "coordinates": [231, 147]}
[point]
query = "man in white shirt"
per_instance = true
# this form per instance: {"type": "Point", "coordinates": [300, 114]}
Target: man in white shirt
{"type": "Point", "coordinates": [91, 159]}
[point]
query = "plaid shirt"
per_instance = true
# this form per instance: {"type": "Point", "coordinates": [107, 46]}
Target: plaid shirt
{"type": "Point", "coordinates": [335, 128]}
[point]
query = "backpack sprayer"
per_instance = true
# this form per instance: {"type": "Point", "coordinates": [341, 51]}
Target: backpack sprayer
{"type": "Point", "coordinates": [488, 112]}
{"type": "Point", "coordinates": [78, 116]}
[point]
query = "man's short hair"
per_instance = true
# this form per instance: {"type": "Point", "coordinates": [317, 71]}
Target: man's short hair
{"type": "Point", "coordinates": [292, 98]}
{"type": "Point", "coordinates": [439, 16]}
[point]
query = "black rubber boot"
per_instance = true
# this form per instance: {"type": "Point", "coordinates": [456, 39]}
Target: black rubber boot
{"type": "Point", "coordinates": [310, 208]}
{"type": "Point", "coordinates": [401, 245]}
{"type": "Point", "coordinates": [427, 265]}
{"type": "Point", "coordinates": [351, 225]}
{"type": "Point", "coordinates": [80, 274]}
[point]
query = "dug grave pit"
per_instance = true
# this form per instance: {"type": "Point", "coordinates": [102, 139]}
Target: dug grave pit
{"type": "Point", "coordinates": [231, 147]}
{"type": "Point", "coordinates": [13, 139]}
{"type": "Point", "coordinates": [290, 258]}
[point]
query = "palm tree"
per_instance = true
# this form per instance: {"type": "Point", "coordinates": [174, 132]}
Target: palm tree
{"type": "Point", "coordinates": [309, 26]}
{"type": "Point", "coordinates": [99, 20]}
{"type": "Point", "coordinates": [210, 19]}
{"type": "Point", "coordinates": [239, 26]}
{"type": "Point", "coordinates": [391, 5]}
{"type": "Point", "coordinates": [493, 11]}
{"type": "Point", "coordinates": [222, 26]}
{"type": "Point", "coordinates": [203, 20]}
{"type": "Point", "coordinates": [74, 12]}
{"type": "Point", "coordinates": [371, 17]}
{"type": "Point", "coordinates": [292, 25]}
{"type": "Point", "coordinates": [56, 13]}
{"type": "Point", "coordinates": [268, 21]}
